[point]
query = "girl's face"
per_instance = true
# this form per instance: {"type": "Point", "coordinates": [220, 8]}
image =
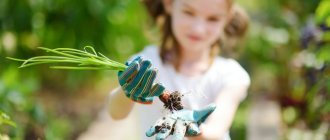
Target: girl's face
{"type": "Point", "coordinates": [197, 24]}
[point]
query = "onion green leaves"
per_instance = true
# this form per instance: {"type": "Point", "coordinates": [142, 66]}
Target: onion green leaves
{"type": "Point", "coordinates": [69, 58]}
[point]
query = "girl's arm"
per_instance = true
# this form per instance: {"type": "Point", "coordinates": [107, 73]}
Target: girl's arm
{"type": "Point", "coordinates": [219, 122]}
{"type": "Point", "coordinates": [118, 105]}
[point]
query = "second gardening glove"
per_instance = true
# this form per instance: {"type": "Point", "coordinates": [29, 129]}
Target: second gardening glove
{"type": "Point", "coordinates": [180, 123]}
{"type": "Point", "coordinates": [137, 81]}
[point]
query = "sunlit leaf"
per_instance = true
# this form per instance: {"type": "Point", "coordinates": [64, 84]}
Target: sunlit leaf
{"type": "Point", "coordinates": [5, 119]}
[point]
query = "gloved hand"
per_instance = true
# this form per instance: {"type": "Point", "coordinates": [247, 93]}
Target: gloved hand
{"type": "Point", "coordinates": [180, 123]}
{"type": "Point", "coordinates": [137, 81]}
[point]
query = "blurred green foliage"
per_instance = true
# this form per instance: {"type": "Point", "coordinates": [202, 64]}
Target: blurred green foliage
{"type": "Point", "coordinates": [286, 52]}
{"type": "Point", "coordinates": [5, 119]}
{"type": "Point", "coordinates": [323, 13]}
{"type": "Point", "coordinates": [109, 26]}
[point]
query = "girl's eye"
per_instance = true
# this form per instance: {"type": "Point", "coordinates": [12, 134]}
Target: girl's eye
{"type": "Point", "coordinates": [213, 19]}
{"type": "Point", "coordinates": [188, 13]}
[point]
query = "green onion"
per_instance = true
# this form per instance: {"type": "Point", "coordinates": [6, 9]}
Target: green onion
{"type": "Point", "coordinates": [75, 59]}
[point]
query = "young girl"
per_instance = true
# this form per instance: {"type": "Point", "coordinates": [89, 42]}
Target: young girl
{"type": "Point", "coordinates": [187, 61]}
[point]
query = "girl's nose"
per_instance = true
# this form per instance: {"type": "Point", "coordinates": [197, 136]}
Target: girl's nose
{"type": "Point", "coordinates": [199, 27]}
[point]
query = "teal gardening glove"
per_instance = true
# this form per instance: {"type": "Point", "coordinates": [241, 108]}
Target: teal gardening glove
{"type": "Point", "coordinates": [180, 123]}
{"type": "Point", "coordinates": [137, 81]}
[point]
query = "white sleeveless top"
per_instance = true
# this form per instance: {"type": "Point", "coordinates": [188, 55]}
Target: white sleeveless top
{"type": "Point", "coordinates": [198, 91]}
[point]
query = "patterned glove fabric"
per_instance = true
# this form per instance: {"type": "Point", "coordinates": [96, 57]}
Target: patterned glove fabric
{"type": "Point", "coordinates": [180, 123]}
{"type": "Point", "coordinates": [137, 81]}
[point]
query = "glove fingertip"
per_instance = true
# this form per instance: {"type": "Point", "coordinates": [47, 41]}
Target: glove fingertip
{"type": "Point", "coordinates": [157, 89]}
{"type": "Point", "coordinates": [193, 130]}
{"type": "Point", "coordinates": [151, 132]}
{"type": "Point", "coordinates": [137, 59]}
{"type": "Point", "coordinates": [145, 64]}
